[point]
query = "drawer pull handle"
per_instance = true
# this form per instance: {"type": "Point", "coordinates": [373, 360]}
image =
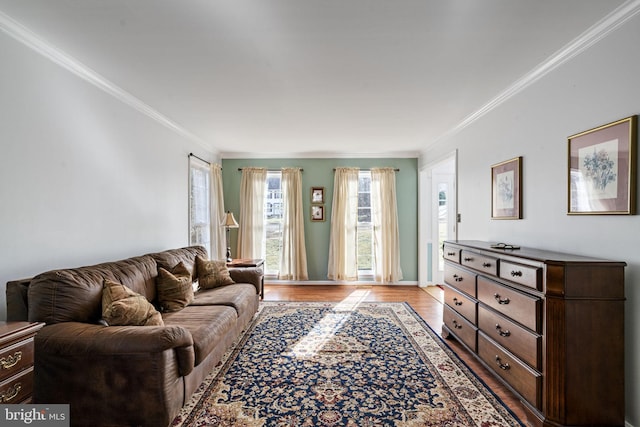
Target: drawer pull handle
{"type": "Point", "coordinates": [467, 259]}
{"type": "Point", "coordinates": [456, 325]}
{"type": "Point", "coordinates": [10, 393]}
{"type": "Point", "coordinates": [486, 264]}
{"type": "Point", "coordinates": [457, 302]}
{"type": "Point", "coordinates": [457, 278]}
{"type": "Point", "coordinates": [504, 333]}
{"type": "Point", "coordinates": [503, 366]}
{"type": "Point", "coordinates": [451, 253]}
{"type": "Point", "coordinates": [11, 360]}
{"type": "Point", "coordinates": [516, 273]}
{"type": "Point", "coordinates": [504, 301]}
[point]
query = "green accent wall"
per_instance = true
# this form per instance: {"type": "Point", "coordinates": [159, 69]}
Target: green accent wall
{"type": "Point", "coordinates": [319, 173]}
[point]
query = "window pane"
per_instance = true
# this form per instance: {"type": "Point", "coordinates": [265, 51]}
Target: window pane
{"type": "Point", "coordinates": [199, 206]}
{"type": "Point", "coordinates": [364, 215]}
{"type": "Point", "coordinates": [365, 230]}
{"type": "Point", "coordinates": [273, 223]}
{"type": "Point", "coordinates": [442, 221]}
{"type": "Point", "coordinates": [365, 247]}
{"type": "Point", "coordinates": [364, 199]}
{"type": "Point", "coordinates": [364, 182]}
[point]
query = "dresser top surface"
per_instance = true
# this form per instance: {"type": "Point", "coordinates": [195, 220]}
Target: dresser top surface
{"type": "Point", "coordinates": [541, 255]}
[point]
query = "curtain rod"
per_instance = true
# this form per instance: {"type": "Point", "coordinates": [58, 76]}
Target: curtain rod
{"type": "Point", "coordinates": [272, 170]}
{"type": "Point", "coordinates": [396, 169]}
{"type": "Point", "coordinates": [199, 158]}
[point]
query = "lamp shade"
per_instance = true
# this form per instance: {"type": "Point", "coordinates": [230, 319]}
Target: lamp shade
{"type": "Point", "coordinates": [229, 221]}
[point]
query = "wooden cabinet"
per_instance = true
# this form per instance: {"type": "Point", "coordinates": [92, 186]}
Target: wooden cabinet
{"type": "Point", "coordinates": [549, 325]}
{"type": "Point", "coordinates": [16, 361]}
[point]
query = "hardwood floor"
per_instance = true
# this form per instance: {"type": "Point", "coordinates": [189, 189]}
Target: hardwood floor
{"type": "Point", "coordinates": [427, 304]}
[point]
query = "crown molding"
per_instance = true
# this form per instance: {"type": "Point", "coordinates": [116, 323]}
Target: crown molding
{"type": "Point", "coordinates": [28, 38]}
{"type": "Point", "coordinates": [320, 155]}
{"type": "Point", "coordinates": [594, 34]}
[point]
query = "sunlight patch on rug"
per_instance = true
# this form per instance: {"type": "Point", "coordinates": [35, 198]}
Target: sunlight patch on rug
{"type": "Point", "coordinates": [342, 364]}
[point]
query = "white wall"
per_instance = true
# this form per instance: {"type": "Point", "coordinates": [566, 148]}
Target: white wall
{"type": "Point", "coordinates": [597, 87]}
{"type": "Point", "coordinates": [83, 177]}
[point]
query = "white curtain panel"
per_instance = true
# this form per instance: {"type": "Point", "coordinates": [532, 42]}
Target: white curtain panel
{"type": "Point", "coordinates": [343, 256]}
{"type": "Point", "coordinates": [251, 231]}
{"type": "Point", "coordinates": [218, 237]}
{"type": "Point", "coordinates": [384, 215]}
{"type": "Point", "coordinates": [293, 263]}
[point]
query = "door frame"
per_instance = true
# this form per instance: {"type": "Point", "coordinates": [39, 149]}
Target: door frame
{"type": "Point", "coordinates": [427, 250]}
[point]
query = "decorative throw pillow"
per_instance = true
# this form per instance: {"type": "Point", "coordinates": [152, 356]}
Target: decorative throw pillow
{"type": "Point", "coordinates": [212, 273]}
{"type": "Point", "coordinates": [123, 307]}
{"type": "Point", "coordinates": [174, 288]}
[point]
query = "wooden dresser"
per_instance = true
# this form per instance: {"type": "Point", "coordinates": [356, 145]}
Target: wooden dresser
{"type": "Point", "coordinates": [549, 325]}
{"type": "Point", "coordinates": [16, 361]}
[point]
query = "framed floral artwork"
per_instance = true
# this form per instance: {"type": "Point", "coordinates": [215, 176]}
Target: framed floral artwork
{"type": "Point", "coordinates": [317, 213]}
{"type": "Point", "coordinates": [506, 189]}
{"type": "Point", "coordinates": [317, 195]}
{"type": "Point", "coordinates": [602, 170]}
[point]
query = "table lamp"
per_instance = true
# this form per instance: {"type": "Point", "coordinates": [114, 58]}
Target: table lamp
{"type": "Point", "coordinates": [228, 223]}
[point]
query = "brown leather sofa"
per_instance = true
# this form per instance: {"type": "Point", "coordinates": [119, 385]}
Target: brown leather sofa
{"type": "Point", "coordinates": [128, 375]}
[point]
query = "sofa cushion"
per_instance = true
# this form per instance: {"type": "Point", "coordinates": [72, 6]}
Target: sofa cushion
{"type": "Point", "coordinates": [212, 273]}
{"type": "Point", "coordinates": [123, 307]}
{"type": "Point", "coordinates": [174, 288]}
{"type": "Point", "coordinates": [208, 326]}
{"type": "Point", "coordinates": [75, 294]}
{"type": "Point", "coordinates": [171, 257]}
{"type": "Point", "coordinates": [241, 296]}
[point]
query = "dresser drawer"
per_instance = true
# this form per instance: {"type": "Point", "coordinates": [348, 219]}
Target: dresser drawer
{"type": "Point", "coordinates": [523, 274]}
{"type": "Point", "coordinates": [460, 278]}
{"type": "Point", "coordinates": [521, 307]}
{"type": "Point", "coordinates": [15, 358]}
{"type": "Point", "coordinates": [18, 388]}
{"type": "Point", "coordinates": [460, 327]}
{"type": "Point", "coordinates": [525, 380]}
{"type": "Point", "coordinates": [451, 253]}
{"type": "Point", "coordinates": [461, 303]}
{"type": "Point", "coordinates": [518, 340]}
{"type": "Point", "coordinates": [484, 263]}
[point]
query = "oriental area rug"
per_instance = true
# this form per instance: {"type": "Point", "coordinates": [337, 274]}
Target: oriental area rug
{"type": "Point", "coordinates": [337, 364]}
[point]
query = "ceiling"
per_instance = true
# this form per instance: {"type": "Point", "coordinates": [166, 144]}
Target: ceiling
{"type": "Point", "coordinates": [309, 78]}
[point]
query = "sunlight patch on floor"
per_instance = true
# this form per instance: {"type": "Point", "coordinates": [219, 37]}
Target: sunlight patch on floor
{"type": "Point", "coordinates": [326, 329]}
{"type": "Point", "coordinates": [352, 301]}
{"type": "Point", "coordinates": [435, 291]}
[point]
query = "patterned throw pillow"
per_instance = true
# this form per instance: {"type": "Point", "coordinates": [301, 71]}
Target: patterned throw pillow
{"type": "Point", "coordinates": [123, 307]}
{"type": "Point", "coordinates": [174, 288]}
{"type": "Point", "coordinates": [212, 273]}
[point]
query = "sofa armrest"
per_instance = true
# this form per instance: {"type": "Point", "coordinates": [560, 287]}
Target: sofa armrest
{"type": "Point", "coordinates": [253, 275]}
{"type": "Point", "coordinates": [85, 339]}
{"type": "Point", "coordinates": [17, 302]}
{"type": "Point", "coordinates": [113, 375]}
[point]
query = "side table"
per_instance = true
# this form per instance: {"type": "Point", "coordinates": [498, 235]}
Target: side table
{"type": "Point", "coordinates": [248, 263]}
{"type": "Point", "coordinates": [16, 360]}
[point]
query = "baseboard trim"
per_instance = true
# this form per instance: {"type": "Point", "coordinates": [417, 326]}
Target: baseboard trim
{"type": "Point", "coordinates": [268, 281]}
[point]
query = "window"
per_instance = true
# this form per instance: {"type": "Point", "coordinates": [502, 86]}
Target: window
{"type": "Point", "coordinates": [364, 227]}
{"type": "Point", "coordinates": [273, 223]}
{"type": "Point", "coordinates": [199, 204]}
{"type": "Point", "coordinates": [443, 225]}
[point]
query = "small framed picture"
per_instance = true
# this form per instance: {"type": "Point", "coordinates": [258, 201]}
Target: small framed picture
{"type": "Point", "coordinates": [317, 213]}
{"type": "Point", "coordinates": [602, 170]}
{"type": "Point", "coordinates": [506, 189]}
{"type": "Point", "coordinates": [317, 195]}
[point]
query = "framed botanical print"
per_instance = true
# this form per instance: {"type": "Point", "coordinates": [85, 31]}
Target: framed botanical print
{"type": "Point", "coordinates": [506, 189]}
{"type": "Point", "coordinates": [317, 212]}
{"type": "Point", "coordinates": [317, 195]}
{"type": "Point", "coordinates": [602, 170]}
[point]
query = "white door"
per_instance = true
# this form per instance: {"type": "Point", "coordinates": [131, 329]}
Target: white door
{"type": "Point", "coordinates": [443, 214]}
